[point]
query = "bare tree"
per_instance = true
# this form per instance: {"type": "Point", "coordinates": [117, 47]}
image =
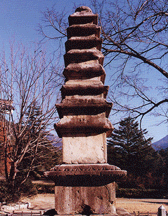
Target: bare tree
{"type": "Point", "coordinates": [135, 44]}
{"type": "Point", "coordinates": [136, 51]}
{"type": "Point", "coordinates": [53, 27]}
{"type": "Point", "coordinates": [30, 79]}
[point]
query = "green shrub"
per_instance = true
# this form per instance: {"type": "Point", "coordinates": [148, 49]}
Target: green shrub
{"type": "Point", "coordinates": [138, 193]}
{"type": "Point", "coordinates": [8, 193]}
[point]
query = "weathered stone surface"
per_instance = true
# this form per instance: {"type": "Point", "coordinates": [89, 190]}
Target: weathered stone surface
{"type": "Point", "coordinates": [85, 174]}
{"type": "Point", "coordinates": [84, 70]}
{"type": "Point", "coordinates": [79, 200]}
{"type": "Point", "coordinates": [83, 105]}
{"type": "Point", "coordinates": [86, 124]}
{"type": "Point", "coordinates": [83, 55]}
{"type": "Point", "coordinates": [83, 30]}
{"type": "Point", "coordinates": [84, 149]}
{"type": "Point", "coordinates": [85, 170]}
{"type": "Point", "coordinates": [97, 89]}
{"type": "Point", "coordinates": [83, 181]}
{"type": "Point", "coordinates": [84, 42]}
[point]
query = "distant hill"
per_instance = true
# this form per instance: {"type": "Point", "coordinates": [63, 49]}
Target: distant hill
{"type": "Point", "coordinates": [161, 144]}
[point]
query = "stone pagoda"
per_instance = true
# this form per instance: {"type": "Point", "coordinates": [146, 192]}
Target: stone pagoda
{"type": "Point", "coordinates": [84, 183]}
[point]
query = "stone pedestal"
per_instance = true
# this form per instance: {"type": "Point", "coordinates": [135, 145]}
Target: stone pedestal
{"type": "Point", "coordinates": [85, 200]}
{"type": "Point", "coordinates": [84, 183]}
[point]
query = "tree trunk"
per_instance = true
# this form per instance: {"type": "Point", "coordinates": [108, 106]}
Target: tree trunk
{"type": "Point", "coordinates": [13, 172]}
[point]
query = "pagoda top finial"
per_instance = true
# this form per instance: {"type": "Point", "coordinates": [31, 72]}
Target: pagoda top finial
{"type": "Point", "coordinates": [84, 9]}
{"type": "Point", "coordinates": [83, 15]}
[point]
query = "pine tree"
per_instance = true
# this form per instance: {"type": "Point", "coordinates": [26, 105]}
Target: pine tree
{"type": "Point", "coordinates": [130, 150]}
{"type": "Point", "coordinates": [164, 155]}
{"type": "Point", "coordinates": [42, 155]}
{"type": "Point", "coordinates": [36, 135]}
{"type": "Point", "coordinates": [34, 119]}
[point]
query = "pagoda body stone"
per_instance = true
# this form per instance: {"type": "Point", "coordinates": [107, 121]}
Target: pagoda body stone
{"type": "Point", "coordinates": [84, 183]}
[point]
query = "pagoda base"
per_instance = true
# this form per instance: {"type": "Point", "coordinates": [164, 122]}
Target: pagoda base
{"type": "Point", "coordinates": [85, 188]}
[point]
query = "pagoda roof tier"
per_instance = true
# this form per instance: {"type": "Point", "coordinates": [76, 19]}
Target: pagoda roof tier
{"type": "Point", "coordinates": [83, 105]}
{"type": "Point", "coordinates": [78, 56]}
{"type": "Point", "coordinates": [84, 70]}
{"type": "Point", "coordinates": [84, 42]}
{"type": "Point", "coordinates": [83, 124]}
{"type": "Point", "coordinates": [84, 89]}
{"type": "Point", "coordinates": [84, 174]}
{"type": "Point", "coordinates": [83, 15]}
{"type": "Point", "coordinates": [83, 30]}
{"type": "Point", "coordinates": [78, 18]}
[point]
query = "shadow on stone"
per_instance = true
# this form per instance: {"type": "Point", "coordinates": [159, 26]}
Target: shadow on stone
{"type": "Point", "coordinates": [50, 212]}
{"type": "Point", "coordinates": [86, 210]}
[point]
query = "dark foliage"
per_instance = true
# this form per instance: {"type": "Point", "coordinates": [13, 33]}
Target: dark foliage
{"type": "Point", "coordinates": [130, 150]}
{"type": "Point", "coordinates": [164, 154]}
{"type": "Point", "coordinates": [139, 193]}
{"type": "Point", "coordinates": [8, 193]}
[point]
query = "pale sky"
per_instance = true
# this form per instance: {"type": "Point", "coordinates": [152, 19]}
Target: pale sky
{"type": "Point", "coordinates": [19, 21]}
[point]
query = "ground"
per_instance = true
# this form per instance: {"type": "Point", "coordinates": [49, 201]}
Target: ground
{"type": "Point", "coordinates": [46, 201]}
{"type": "Point", "coordinates": [141, 205]}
